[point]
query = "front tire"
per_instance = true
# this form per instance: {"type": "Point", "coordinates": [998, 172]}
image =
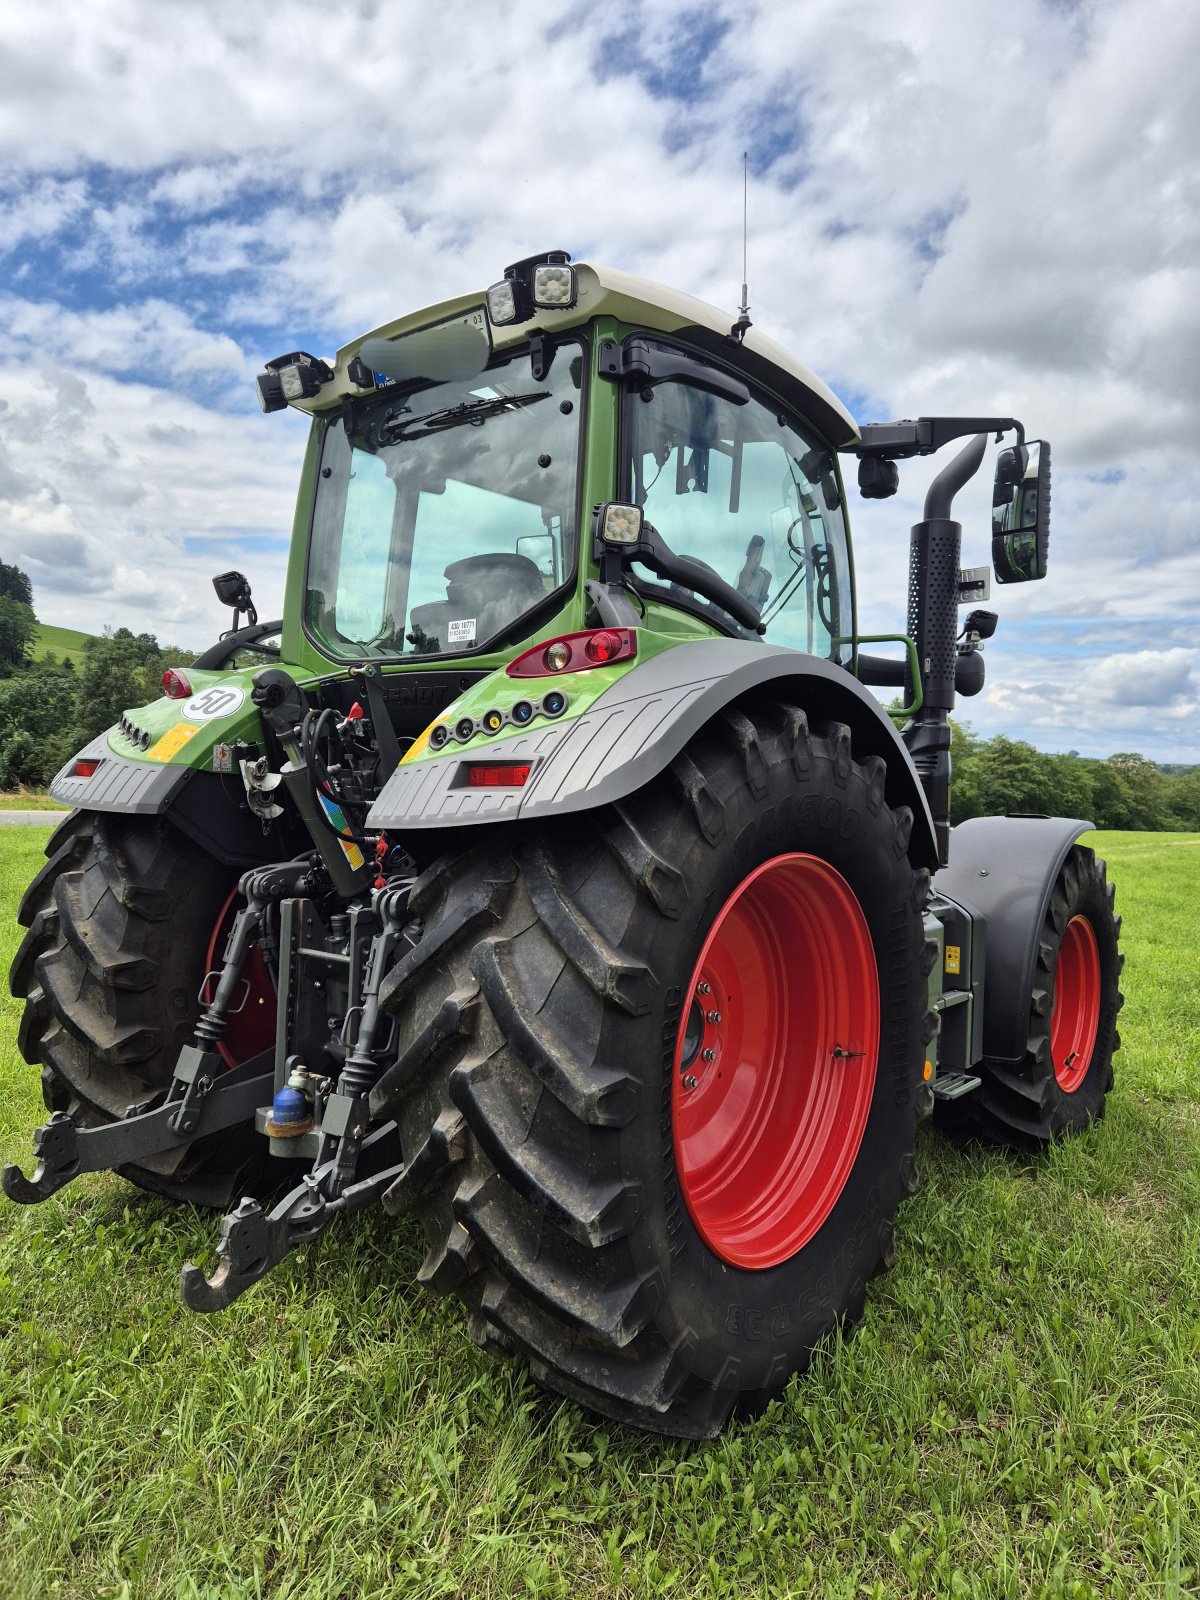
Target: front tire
{"type": "Point", "coordinates": [544, 1025]}
{"type": "Point", "coordinates": [1060, 1087]}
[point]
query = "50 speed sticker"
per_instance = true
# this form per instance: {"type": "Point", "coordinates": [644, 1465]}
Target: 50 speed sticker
{"type": "Point", "coordinates": [222, 700]}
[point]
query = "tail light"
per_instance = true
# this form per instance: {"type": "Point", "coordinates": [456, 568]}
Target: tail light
{"type": "Point", "coordinates": [176, 684]}
{"type": "Point", "coordinates": [498, 775]}
{"type": "Point", "coordinates": [85, 767]}
{"type": "Point", "coordinates": [575, 652]}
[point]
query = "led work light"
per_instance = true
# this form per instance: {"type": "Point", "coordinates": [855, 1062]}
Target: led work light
{"type": "Point", "coordinates": [618, 523]}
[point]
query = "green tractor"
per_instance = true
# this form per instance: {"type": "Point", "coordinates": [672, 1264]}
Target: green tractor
{"type": "Point", "coordinates": [550, 870]}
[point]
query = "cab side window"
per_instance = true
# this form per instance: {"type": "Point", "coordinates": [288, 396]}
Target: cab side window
{"type": "Point", "coordinates": [744, 490]}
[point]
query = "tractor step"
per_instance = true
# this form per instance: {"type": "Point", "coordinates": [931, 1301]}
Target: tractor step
{"type": "Point", "coordinates": [953, 1085]}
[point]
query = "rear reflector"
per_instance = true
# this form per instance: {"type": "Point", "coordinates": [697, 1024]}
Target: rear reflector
{"type": "Point", "coordinates": [84, 769]}
{"type": "Point", "coordinates": [497, 775]}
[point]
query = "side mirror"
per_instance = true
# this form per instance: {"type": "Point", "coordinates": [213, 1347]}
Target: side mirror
{"type": "Point", "coordinates": [1021, 513]}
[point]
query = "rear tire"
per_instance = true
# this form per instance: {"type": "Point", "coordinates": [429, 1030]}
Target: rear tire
{"type": "Point", "coordinates": [1060, 1087]}
{"type": "Point", "coordinates": [539, 1024]}
{"type": "Point", "coordinates": [119, 922]}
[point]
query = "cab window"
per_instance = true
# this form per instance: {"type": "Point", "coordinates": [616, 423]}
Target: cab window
{"type": "Point", "coordinates": [754, 496]}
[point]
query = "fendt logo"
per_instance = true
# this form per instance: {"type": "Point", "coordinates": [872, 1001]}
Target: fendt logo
{"type": "Point", "coordinates": [222, 700]}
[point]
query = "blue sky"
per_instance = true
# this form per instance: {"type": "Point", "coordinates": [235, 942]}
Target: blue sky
{"type": "Point", "coordinates": [947, 215]}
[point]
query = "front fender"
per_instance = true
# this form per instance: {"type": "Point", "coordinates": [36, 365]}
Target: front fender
{"type": "Point", "coordinates": [1005, 868]}
{"type": "Point", "coordinates": [635, 729]}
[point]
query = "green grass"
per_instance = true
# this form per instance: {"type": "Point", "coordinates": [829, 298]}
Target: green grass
{"type": "Point", "coordinates": [59, 642]}
{"type": "Point", "coordinates": [29, 800]}
{"type": "Point", "coordinates": [1017, 1416]}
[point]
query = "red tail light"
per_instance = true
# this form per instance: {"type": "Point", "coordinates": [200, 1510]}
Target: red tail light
{"type": "Point", "coordinates": [497, 775]}
{"type": "Point", "coordinates": [575, 652]}
{"type": "Point", "coordinates": [84, 768]}
{"type": "Point", "coordinates": [176, 684]}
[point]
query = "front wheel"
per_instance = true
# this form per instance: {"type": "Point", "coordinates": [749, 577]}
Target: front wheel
{"type": "Point", "coordinates": [671, 1051]}
{"type": "Point", "coordinates": [1060, 1087]}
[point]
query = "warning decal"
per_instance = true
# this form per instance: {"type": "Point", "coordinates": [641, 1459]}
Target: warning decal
{"type": "Point", "coordinates": [172, 741]}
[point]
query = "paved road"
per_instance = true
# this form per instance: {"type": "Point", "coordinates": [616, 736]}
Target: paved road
{"type": "Point", "coordinates": [22, 819]}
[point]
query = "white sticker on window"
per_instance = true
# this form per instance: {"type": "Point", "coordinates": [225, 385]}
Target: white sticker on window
{"type": "Point", "coordinates": [462, 631]}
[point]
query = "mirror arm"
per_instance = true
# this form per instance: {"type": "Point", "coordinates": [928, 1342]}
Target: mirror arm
{"type": "Point", "coordinates": [893, 440]}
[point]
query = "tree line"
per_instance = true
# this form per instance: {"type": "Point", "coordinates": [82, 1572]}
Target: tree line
{"type": "Point", "coordinates": [49, 708]}
{"type": "Point", "coordinates": [994, 776]}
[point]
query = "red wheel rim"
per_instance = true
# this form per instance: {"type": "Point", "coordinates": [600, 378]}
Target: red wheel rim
{"type": "Point", "coordinates": [250, 1029]}
{"type": "Point", "coordinates": [1075, 1019]}
{"type": "Point", "coordinates": [775, 1062]}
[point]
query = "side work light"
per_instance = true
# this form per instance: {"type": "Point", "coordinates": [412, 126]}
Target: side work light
{"type": "Point", "coordinates": [617, 523]}
{"type": "Point", "coordinates": [502, 302]}
{"type": "Point", "coordinates": [539, 283]}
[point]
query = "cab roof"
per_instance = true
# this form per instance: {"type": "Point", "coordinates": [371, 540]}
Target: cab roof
{"type": "Point", "coordinates": [605, 292]}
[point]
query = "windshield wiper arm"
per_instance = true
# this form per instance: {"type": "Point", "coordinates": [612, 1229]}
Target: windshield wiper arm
{"type": "Point", "coordinates": [474, 412]}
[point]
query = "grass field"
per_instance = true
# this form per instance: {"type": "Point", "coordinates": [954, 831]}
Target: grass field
{"type": "Point", "coordinates": [60, 642]}
{"type": "Point", "coordinates": [29, 800]}
{"type": "Point", "coordinates": [1018, 1415]}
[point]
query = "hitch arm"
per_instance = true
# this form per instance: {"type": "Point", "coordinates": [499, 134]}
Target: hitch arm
{"type": "Point", "coordinates": [64, 1150]}
{"type": "Point", "coordinates": [253, 1241]}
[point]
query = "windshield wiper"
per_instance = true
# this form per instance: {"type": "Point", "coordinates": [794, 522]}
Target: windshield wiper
{"type": "Point", "coordinates": [474, 412]}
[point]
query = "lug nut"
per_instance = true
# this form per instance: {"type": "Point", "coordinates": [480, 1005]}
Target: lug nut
{"type": "Point", "coordinates": [704, 988]}
{"type": "Point", "coordinates": [708, 1055]}
{"type": "Point", "coordinates": [689, 1082]}
{"type": "Point", "coordinates": [714, 1016]}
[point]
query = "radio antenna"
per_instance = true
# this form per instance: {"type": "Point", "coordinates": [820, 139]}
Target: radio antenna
{"type": "Point", "coordinates": [738, 331]}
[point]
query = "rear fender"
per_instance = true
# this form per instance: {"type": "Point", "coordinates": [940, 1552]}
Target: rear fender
{"type": "Point", "coordinates": [636, 728]}
{"type": "Point", "coordinates": [1005, 868]}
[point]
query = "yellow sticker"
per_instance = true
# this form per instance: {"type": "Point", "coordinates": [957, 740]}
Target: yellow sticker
{"type": "Point", "coordinates": [954, 959]}
{"type": "Point", "coordinates": [419, 744]}
{"type": "Point", "coordinates": [172, 741]}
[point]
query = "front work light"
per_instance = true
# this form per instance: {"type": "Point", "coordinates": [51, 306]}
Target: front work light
{"type": "Point", "coordinates": [618, 523]}
{"type": "Point", "coordinates": [554, 286]}
{"type": "Point", "coordinates": [296, 376]}
{"type": "Point", "coordinates": [502, 302]}
{"type": "Point", "coordinates": [270, 391]}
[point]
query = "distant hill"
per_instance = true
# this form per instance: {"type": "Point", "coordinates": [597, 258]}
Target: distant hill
{"type": "Point", "coordinates": [59, 642]}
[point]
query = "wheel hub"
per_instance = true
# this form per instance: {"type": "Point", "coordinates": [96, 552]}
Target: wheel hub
{"type": "Point", "coordinates": [1075, 1018]}
{"type": "Point", "coordinates": [775, 1065]}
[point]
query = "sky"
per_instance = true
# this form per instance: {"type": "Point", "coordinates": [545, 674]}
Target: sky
{"type": "Point", "coordinates": [952, 209]}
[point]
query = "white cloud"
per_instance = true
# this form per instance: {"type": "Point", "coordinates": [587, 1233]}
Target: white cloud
{"type": "Point", "coordinates": [951, 213]}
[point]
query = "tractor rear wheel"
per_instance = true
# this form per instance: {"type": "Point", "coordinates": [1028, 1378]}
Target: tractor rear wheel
{"type": "Point", "coordinates": [121, 920]}
{"type": "Point", "coordinates": [1059, 1088]}
{"type": "Point", "coordinates": [663, 1061]}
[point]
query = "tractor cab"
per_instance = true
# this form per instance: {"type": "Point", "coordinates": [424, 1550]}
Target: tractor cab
{"type": "Point", "coordinates": [459, 458]}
